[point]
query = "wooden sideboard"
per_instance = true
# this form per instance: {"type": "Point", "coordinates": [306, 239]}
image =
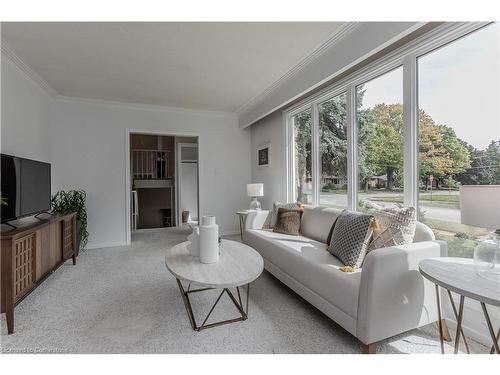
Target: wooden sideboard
{"type": "Point", "coordinates": [31, 253]}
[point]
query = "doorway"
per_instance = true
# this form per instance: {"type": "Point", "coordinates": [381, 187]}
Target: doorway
{"type": "Point", "coordinates": [162, 181]}
{"type": "Point", "coordinates": [187, 196]}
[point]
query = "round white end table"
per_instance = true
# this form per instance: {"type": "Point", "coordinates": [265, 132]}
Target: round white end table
{"type": "Point", "coordinates": [458, 275]}
{"type": "Point", "coordinates": [237, 267]}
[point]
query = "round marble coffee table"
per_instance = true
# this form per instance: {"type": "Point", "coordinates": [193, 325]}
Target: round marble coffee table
{"type": "Point", "coordinates": [238, 266]}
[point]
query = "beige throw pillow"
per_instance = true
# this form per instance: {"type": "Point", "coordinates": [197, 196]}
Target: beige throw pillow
{"type": "Point", "coordinates": [396, 226]}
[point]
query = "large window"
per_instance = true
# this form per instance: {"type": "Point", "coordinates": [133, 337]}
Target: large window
{"type": "Point", "coordinates": [379, 114]}
{"type": "Point", "coordinates": [459, 132]}
{"type": "Point", "coordinates": [302, 143]}
{"type": "Point", "coordinates": [409, 129]}
{"type": "Point", "coordinates": [333, 151]}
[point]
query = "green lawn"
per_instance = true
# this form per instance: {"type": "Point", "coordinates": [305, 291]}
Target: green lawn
{"type": "Point", "coordinates": [451, 200]}
{"type": "Point", "coordinates": [336, 191]}
{"type": "Point", "coordinates": [454, 227]}
{"type": "Point", "coordinates": [461, 239]}
{"type": "Point", "coordinates": [457, 247]}
{"type": "Point", "coordinates": [437, 200]}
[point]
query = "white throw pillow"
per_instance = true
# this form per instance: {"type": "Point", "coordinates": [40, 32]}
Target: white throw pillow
{"type": "Point", "coordinates": [397, 226]}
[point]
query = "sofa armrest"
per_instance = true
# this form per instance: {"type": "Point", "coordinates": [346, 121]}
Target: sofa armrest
{"type": "Point", "coordinates": [393, 296]}
{"type": "Point", "coordinates": [257, 219]}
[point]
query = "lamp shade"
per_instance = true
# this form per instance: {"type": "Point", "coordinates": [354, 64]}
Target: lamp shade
{"type": "Point", "coordinates": [480, 205]}
{"type": "Point", "coordinates": [255, 190]}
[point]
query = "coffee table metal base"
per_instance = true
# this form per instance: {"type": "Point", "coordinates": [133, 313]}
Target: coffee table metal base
{"type": "Point", "coordinates": [237, 302]}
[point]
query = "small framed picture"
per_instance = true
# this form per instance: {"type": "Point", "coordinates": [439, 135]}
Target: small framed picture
{"type": "Point", "coordinates": [264, 155]}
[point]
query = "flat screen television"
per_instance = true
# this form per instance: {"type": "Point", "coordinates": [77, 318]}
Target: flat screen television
{"type": "Point", "coordinates": [25, 187]}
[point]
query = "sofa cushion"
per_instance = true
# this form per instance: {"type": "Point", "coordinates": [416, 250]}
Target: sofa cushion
{"type": "Point", "coordinates": [317, 222]}
{"type": "Point", "coordinates": [288, 221]}
{"type": "Point", "coordinates": [308, 262]}
{"type": "Point", "coordinates": [351, 236]}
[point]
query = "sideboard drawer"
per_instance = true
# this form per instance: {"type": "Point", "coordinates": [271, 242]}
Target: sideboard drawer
{"type": "Point", "coordinates": [68, 238]}
{"type": "Point", "coordinates": [24, 265]}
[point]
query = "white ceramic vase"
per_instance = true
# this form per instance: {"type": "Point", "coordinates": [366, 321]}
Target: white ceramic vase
{"type": "Point", "coordinates": [209, 240]}
{"type": "Point", "coordinates": [194, 242]}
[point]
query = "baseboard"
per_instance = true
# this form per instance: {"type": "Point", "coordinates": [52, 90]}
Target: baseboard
{"type": "Point", "coordinates": [469, 332]}
{"type": "Point", "coordinates": [99, 245]}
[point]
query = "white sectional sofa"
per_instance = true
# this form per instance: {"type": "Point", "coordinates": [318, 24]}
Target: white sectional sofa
{"type": "Point", "coordinates": [387, 296]}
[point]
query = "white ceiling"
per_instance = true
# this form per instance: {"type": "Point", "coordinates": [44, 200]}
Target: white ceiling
{"type": "Point", "coordinates": [212, 66]}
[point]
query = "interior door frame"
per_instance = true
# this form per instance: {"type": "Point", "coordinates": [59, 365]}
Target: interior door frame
{"type": "Point", "coordinates": [128, 133]}
{"type": "Point", "coordinates": [179, 183]}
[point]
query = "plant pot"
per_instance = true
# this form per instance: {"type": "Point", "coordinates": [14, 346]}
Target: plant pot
{"type": "Point", "coordinates": [78, 237]}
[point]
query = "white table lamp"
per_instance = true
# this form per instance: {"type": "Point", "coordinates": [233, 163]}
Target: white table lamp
{"type": "Point", "coordinates": [254, 191]}
{"type": "Point", "coordinates": [480, 207]}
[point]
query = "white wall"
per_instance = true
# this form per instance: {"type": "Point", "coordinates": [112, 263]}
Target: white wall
{"type": "Point", "coordinates": [25, 126]}
{"type": "Point", "coordinates": [88, 152]}
{"type": "Point", "coordinates": [270, 130]}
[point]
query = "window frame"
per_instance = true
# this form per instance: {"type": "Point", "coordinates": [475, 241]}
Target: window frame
{"type": "Point", "coordinates": [405, 56]}
{"type": "Point", "coordinates": [388, 69]}
{"type": "Point", "coordinates": [290, 150]}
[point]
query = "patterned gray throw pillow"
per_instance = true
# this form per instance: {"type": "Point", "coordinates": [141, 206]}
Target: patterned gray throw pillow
{"type": "Point", "coordinates": [351, 236]}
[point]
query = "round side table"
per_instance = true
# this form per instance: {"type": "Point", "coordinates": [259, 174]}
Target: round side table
{"type": "Point", "coordinates": [459, 276]}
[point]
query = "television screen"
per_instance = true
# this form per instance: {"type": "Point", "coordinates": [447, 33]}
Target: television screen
{"type": "Point", "coordinates": [25, 187]}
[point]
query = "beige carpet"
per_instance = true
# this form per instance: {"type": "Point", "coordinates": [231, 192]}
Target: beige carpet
{"type": "Point", "coordinates": [123, 300]}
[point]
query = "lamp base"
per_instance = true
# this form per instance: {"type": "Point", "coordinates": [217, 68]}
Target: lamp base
{"type": "Point", "coordinates": [487, 257]}
{"type": "Point", "coordinates": [254, 204]}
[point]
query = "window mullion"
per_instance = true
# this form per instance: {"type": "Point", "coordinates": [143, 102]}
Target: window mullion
{"type": "Point", "coordinates": [352, 149]}
{"type": "Point", "coordinates": [316, 172]}
{"type": "Point", "coordinates": [410, 131]}
{"type": "Point", "coordinates": [289, 175]}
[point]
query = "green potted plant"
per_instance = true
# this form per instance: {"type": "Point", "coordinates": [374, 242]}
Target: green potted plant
{"type": "Point", "coordinates": [65, 202]}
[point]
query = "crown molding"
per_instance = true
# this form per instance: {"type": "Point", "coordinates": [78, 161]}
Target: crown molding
{"type": "Point", "coordinates": [315, 54]}
{"type": "Point", "coordinates": [311, 57]}
{"type": "Point", "coordinates": [26, 69]}
{"type": "Point", "coordinates": [150, 107]}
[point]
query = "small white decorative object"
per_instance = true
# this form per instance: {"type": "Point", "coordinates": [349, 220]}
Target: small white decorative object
{"type": "Point", "coordinates": [209, 240]}
{"type": "Point", "coordinates": [194, 242]}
